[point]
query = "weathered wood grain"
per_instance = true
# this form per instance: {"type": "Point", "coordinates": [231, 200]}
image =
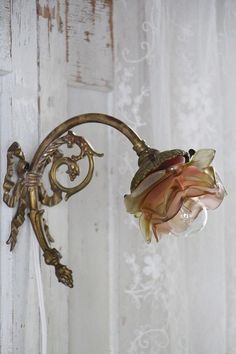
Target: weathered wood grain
{"type": "Point", "coordinates": [19, 122]}
{"type": "Point", "coordinates": [52, 101]}
{"type": "Point", "coordinates": [5, 37]}
{"type": "Point", "coordinates": [42, 43]}
{"type": "Point", "coordinates": [90, 43]}
{"type": "Point", "coordinates": [88, 241]}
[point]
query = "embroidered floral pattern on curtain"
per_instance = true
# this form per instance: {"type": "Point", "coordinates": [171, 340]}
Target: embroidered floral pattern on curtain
{"type": "Point", "coordinates": [175, 83]}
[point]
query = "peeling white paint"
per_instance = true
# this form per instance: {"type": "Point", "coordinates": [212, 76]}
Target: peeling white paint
{"type": "Point", "coordinates": [41, 45]}
{"type": "Point", "coordinates": [90, 43]}
{"type": "Point", "coordinates": [19, 122]}
{"type": "Point", "coordinates": [53, 110]}
{"type": "Point", "coordinates": [5, 37]}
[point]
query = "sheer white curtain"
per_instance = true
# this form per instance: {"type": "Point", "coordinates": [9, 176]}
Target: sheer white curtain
{"type": "Point", "coordinates": [175, 84]}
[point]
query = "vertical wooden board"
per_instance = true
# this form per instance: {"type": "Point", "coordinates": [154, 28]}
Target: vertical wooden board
{"type": "Point", "coordinates": [19, 122]}
{"type": "Point", "coordinates": [6, 258]}
{"type": "Point", "coordinates": [88, 243]}
{"type": "Point", "coordinates": [53, 110]}
{"type": "Point", "coordinates": [5, 36]}
{"type": "Point", "coordinates": [90, 43]}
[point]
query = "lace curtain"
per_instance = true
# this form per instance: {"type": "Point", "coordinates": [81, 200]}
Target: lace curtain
{"type": "Point", "coordinates": [175, 84]}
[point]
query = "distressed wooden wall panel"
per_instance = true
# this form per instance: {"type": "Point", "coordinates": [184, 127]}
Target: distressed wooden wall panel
{"type": "Point", "coordinates": [40, 42]}
{"type": "Point", "coordinates": [89, 238]}
{"type": "Point", "coordinates": [90, 43]}
{"type": "Point", "coordinates": [53, 110]}
{"type": "Point", "coordinates": [19, 316]}
{"type": "Point", "coordinates": [5, 36]}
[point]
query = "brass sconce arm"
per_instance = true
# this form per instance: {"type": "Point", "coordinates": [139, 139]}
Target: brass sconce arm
{"type": "Point", "coordinates": [28, 191]}
{"type": "Point", "coordinates": [168, 192]}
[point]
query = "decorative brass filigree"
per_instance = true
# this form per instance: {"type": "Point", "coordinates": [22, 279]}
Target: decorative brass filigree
{"type": "Point", "coordinates": [15, 192]}
{"type": "Point", "coordinates": [28, 181]}
{"type": "Point", "coordinates": [28, 191]}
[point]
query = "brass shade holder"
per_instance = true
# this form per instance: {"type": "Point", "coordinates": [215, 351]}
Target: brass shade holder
{"type": "Point", "coordinates": [29, 193]}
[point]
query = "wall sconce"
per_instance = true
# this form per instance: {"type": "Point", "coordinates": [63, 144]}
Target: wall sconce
{"type": "Point", "coordinates": [170, 192]}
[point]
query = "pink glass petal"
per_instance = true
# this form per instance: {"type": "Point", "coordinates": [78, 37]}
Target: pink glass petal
{"type": "Point", "coordinates": [202, 158]}
{"type": "Point", "coordinates": [145, 226]}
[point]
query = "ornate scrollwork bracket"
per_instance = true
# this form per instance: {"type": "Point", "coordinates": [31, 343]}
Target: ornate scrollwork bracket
{"type": "Point", "coordinates": [29, 186]}
{"type": "Point", "coordinates": [28, 191]}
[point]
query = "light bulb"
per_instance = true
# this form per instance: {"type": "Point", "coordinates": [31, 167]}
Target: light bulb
{"type": "Point", "coordinates": [190, 219]}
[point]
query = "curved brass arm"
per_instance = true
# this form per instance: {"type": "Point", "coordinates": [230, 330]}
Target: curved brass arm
{"type": "Point", "coordinates": [29, 191]}
{"type": "Point", "coordinates": [138, 144]}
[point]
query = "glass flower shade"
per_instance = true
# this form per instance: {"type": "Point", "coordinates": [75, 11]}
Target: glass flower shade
{"type": "Point", "coordinates": [175, 200]}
